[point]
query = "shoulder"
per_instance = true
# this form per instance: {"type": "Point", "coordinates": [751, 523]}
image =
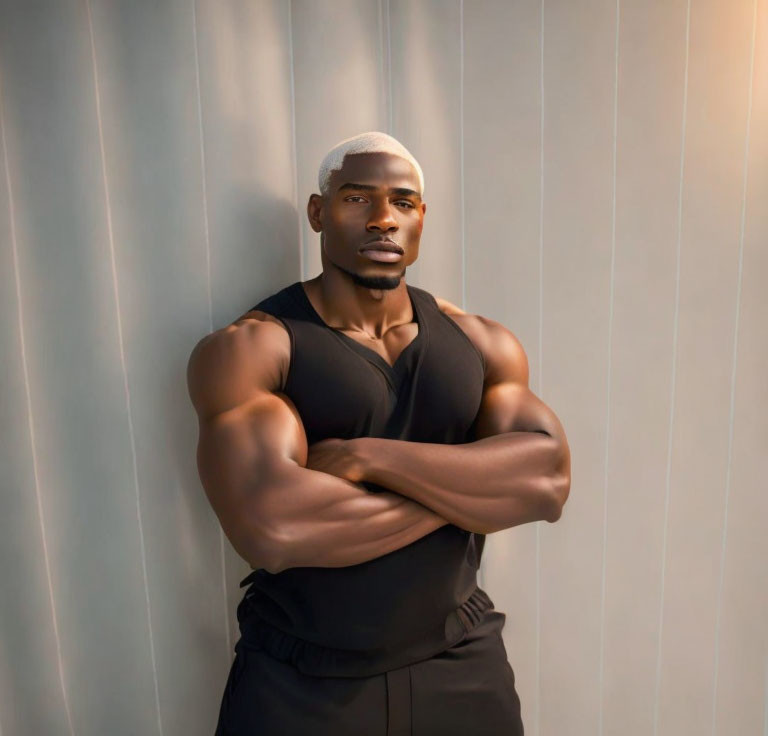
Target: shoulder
{"type": "Point", "coordinates": [504, 356]}
{"type": "Point", "coordinates": [253, 330]}
{"type": "Point", "coordinates": [253, 351]}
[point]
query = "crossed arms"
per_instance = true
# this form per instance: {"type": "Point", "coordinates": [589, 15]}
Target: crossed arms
{"type": "Point", "coordinates": [283, 504]}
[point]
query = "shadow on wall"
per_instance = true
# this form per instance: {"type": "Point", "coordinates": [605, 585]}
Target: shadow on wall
{"type": "Point", "coordinates": [258, 253]}
{"type": "Point", "coordinates": [254, 252]}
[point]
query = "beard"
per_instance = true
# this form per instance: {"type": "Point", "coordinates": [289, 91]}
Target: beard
{"type": "Point", "coordinates": [374, 282]}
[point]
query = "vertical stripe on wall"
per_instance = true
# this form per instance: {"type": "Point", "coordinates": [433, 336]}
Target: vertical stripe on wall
{"type": "Point", "coordinates": [595, 176]}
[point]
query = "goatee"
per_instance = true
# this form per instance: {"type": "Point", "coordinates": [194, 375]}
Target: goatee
{"type": "Point", "coordinates": [374, 282]}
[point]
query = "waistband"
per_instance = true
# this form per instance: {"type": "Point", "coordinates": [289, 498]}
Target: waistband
{"type": "Point", "coordinates": [321, 661]}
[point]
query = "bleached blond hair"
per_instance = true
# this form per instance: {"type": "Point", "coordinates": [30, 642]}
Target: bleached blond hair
{"type": "Point", "coordinates": [371, 142]}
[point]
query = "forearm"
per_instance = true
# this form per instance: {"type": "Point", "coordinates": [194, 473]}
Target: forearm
{"type": "Point", "coordinates": [494, 483]}
{"type": "Point", "coordinates": [318, 520]}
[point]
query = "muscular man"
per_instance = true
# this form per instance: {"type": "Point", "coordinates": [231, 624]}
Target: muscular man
{"type": "Point", "coordinates": [358, 439]}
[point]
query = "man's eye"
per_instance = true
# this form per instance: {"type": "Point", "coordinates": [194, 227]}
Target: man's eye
{"type": "Point", "coordinates": [354, 196]}
{"type": "Point", "coordinates": [406, 203]}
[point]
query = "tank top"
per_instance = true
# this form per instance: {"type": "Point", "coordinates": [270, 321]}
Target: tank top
{"type": "Point", "coordinates": [414, 602]}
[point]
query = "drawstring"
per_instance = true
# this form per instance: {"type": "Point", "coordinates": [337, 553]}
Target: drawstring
{"type": "Point", "coordinates": [249, 579]}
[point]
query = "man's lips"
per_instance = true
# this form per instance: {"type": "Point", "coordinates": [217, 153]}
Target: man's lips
{"type": "Point", "coordinates": [383, 250]}
{"type": "Point", "coordinates": [385, 245]}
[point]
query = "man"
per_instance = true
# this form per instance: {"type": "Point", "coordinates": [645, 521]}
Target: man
{"type": "Point", "coordinates": [358, 438]}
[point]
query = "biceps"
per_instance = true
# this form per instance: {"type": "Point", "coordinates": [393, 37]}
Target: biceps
{"type": "Point", "coordinates": [239, 455]}
{"type": "Point", "coordinates": [512, 407]}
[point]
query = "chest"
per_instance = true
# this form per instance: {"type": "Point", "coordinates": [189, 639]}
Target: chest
{"type": "Point", "coordinates": [342, 388]}
{"type": "Point", "coordinates": [390, 346]}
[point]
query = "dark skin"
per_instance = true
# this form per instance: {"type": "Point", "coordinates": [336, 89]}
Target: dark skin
{"type": "Point", "coordinates": [284, 504]}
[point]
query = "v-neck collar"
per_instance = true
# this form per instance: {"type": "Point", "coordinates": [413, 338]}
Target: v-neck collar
{"type": "Point", "coordinates": [392, 372]}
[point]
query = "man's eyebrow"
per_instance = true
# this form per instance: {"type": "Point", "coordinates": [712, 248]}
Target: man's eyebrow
{"type": "Point", "coordinates": [370, 188]}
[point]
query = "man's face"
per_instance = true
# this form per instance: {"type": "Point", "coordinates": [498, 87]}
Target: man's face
{"type": "Point", "coordinates": [374, 196]}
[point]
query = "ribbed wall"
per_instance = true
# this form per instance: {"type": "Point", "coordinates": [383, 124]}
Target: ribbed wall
{"type": "Point", "coordinates": [596, 178]}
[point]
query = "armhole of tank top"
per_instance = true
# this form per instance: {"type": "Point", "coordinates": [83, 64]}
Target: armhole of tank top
{"type": "Point", "coordinates": [291, 340]}
{"type": "Point", "coordinates": [458, 329]}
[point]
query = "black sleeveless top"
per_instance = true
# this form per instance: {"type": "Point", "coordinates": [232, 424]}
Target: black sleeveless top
{"type": "Point", "coordinates": [416, 601]}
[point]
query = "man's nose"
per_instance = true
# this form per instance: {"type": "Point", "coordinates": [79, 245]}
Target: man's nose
{"type": "Point", "coordinates": [381, 218]}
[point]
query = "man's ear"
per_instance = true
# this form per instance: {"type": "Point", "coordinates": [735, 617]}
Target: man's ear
{"type": "Point", "coordinates": [314, 212]}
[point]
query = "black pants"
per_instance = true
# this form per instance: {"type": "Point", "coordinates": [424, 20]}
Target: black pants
{"type": "Point", "coordinates": [467, 689]}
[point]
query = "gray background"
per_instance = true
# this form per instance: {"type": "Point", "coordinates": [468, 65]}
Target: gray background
{"type": "Point", "coordinates": [596, 178]}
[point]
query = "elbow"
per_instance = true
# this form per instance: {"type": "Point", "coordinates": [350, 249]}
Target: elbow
{"type": "Point", "coordinates": [273, 567]}
{"type": "Point", "coordinates": [262, 546]}
{"type": "Point", "coordinates": [558, 495]}
{"type": "Point", "coordinates": [264, 532]}
{"type": "Point", "coordinates": [554, 512]}
{"type": "Point", "coordinates": [266, 557]}
{"type": "Point", "coordinates": [273, 552]}
{"type": "Point", "coordinates": [560, 486]}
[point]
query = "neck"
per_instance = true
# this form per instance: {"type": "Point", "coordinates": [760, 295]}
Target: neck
{"type": "Point", "coordinates": [347, 305]}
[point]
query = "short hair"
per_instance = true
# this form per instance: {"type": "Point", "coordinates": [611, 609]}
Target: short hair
{"type": "Point", "coordinates": [371, 142]}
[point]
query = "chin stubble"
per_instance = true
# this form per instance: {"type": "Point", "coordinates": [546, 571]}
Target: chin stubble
{"type": "Point", "coordinates": [374, 282]}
